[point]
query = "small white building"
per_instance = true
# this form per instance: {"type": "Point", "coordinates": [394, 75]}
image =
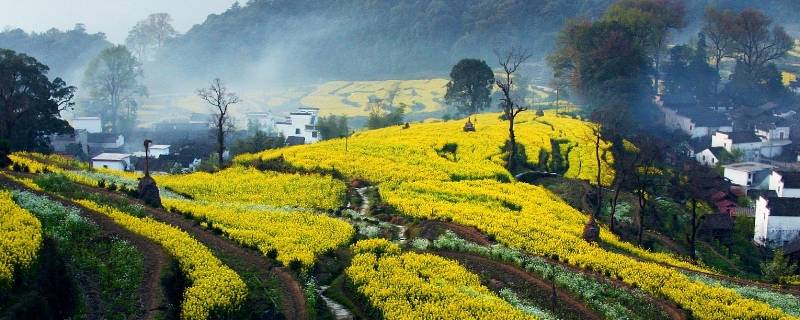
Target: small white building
{"type": "Point", "coordinates": [90, 124]}
{"type": "Point", "coordinates": [711, 156]}
{"type": "Point", "coordinates": [786, 184]}
{"type": "Point", "coordinates": [114, 161]}
{"type": "Point", "coordinates": [774, 137]}
{"type": "Point", "coordinates": [752, 175]}
{"type": "Point", "coordinates": [156, 151]}
{"type": "Point", "coordinates": [102, 141]}
{"type": "Point", "coordinates": [300, 125]}
{"type": "Point", "coordinates": [745, 141]}
{"type": "Point", "coordinates": [777, 221]}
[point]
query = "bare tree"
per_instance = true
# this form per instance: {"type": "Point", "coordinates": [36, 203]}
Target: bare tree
{"type": "Point", "coordinates": [510, 60]}
{"type": "Point", "coordinates": [220, 100]}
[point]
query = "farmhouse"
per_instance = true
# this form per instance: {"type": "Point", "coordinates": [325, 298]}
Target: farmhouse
{"type": "Point", "coordinates": [745, 141]}
{"type": "Point", "coordinates": [104, 142]}
{"type": "Point", "coordinates": [115, 161]}
{"type": "Point", "coordinates": [786, 184]}
{"type": "Point", "coordinates": [67, 143]}
{"type": "Point", "coordinates": [751, 175]}
{"type": "Point", "coordinates": [300, 124]}
{"type": "Point", "coordinates": [777, 221]}
{"type": "Point", "coordinates": [695, 121]}
{"type": "Point", "coordinates": [712, 156]}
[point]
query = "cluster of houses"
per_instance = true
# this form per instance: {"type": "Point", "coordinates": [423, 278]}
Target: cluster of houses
{"type": "Point", "coordinates": [108, 150]}
{"type": "Point", "coordinates": [746, 158]}
{"type": "Point", "coordinates": [300, 127]}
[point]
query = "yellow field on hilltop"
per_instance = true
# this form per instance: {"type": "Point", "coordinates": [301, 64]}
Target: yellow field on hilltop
{"type": "Point", "coordinates": [351, 98]}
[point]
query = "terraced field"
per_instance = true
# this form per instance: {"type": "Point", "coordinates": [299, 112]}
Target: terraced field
{"type": "Point", "coordinates": [402, 223]}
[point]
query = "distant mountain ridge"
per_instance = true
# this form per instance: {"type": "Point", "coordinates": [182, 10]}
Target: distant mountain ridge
{"type": "Point", "coordinates": [346, 39]}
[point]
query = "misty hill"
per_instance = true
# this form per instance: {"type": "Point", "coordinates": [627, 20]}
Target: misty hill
{"type": "Point", "coordinates": [65, 52]}
{"type": "Point", "coordinates": [345, 39]}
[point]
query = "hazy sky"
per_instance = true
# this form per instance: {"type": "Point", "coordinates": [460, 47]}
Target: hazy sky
{"type": "Point", "coordinates": [113, 17]}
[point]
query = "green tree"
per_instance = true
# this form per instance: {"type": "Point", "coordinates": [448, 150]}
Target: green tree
{"type": "Point", "coordinates": [150, 35]}
{"type": "Point", "coordinates": [470, 86]}
{"type": "Point", "coordinates": [259, 141]}
{"type": "Point", "coordinates": [332, 127]}
{"type": "Point", "coordinates": [30, 104]}
{"type": "Point", "coordinates": [382, 113]}
{"type": "Point", "coordinates": [113, 83]}
{"type": "Point", "coordinates": [779, 267]}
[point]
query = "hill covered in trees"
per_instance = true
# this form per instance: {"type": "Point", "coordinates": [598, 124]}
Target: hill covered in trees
{"type": "Point", "coordinates": [65, 52]}
{"type": "Point", "coordinates": [342, 39]}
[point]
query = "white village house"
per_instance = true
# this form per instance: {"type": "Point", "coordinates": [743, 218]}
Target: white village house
{"type": "Point", "coordinates": [774, 137]}
{"type": "Point", "coordinates": [751, 175]}
{"type": "Point", "coordinates": [300, 127]}
{"type": "Point", "coordinates": [786, 184]}
{"type": "Point", "coordinates": [777, 221]}
{"type": "Point", "coordinates": [682, 113]}
{"type": "Point", "coordinates": [115, 161]}
{"type": "Point", "coordinates": [745, 141]}
{"type": "Point", "coordinates": [710, 156]}
{"type": "Point", "coordinates": [156, 151]}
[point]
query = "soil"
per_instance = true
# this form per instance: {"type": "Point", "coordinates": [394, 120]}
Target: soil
{"type": "Point", "coordinates": [432, 229]}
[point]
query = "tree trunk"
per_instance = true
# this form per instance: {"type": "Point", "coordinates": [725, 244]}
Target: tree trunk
{"type": "Point", "coordinates": [614, 206]}
{"type": "Point", "coordinates": [693, 236]}
{"type": "Point", "coordinates": [642, 206]}
{"type": "Point", "coordinates": [599, 207]}
{"type": "Point", "coordinates": [220, 142]}
{"type": "Point", "coordinates": [512, 140]}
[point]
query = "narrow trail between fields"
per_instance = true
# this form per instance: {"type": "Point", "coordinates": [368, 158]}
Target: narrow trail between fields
{"type": "Point", "coordinates": [243, 261]}
{"type": "Point", "coordinates": [156, 259]}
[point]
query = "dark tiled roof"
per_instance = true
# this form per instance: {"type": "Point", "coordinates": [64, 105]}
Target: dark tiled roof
{"type": "Point", "coordinates": [295, 140]}
{"type": "Point", "coordinates": [785, 207]}
{"type": "Point", "coordinates": [792, 247]}
{"type": "Point", "coordinates": [743, 137]}
{"type": "Point", "coordinates": [718, 151]}
{"type": "Point", "coordinates": [679, 99]}
{"type": "Point", "coordinates": [755, 193]}
{"type": "Point", "coordinates": [791, 179]}
{"type": "Point", "coordinates": [703, 117]}
{"type": "Point", "coordinates": [102, 138]}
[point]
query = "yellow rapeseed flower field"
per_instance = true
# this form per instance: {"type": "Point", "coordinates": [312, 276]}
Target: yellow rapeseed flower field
{"type": "Point", "coordinates": [213, 287]}
{"type": "Point", "coordinates": [422, 286]}
{"type": "Point", "coordinates": [20, 238]}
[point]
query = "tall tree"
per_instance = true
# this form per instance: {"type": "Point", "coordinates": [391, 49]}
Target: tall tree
{"type": "Point", "coordinates": [716, 28]}
{"type": "Point", "coordinates": [150, 35]}
{"type": "Point", "coordinates": [510, 61]}
{"type": "Point", "coordinates": [649, 22]}
{"type": "Point", "coordinates": [217, 96]}
{"type": "Point", "coordinates": [30, 104]}
{"type": "Point", "coordinates": [470, 86]}
{"type": "Point", "coordinates": [113, 81]}
{"type": "Point", "coordinates": [754, 43]}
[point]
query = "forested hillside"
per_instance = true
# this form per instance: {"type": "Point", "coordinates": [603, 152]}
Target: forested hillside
{"type": "Point", "coordinates": [65, 52]}
{"type": "Point", "coordinates": [346, 39]}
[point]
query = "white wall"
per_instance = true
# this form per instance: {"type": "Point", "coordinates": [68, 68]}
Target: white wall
{"type": "Point", "coordinates": [737, 177]}
{"type": "Point", "coordinates": [707, 158]}
{"type": "Point", "coordinates": [721, 140]}
{"type": "Point", "coordinates": [115, 165]}
{"type": "Point", "coordinates": [762, 217]}
{"type": "Point", "coordinates": [751, 150]}
{"type": "Point", "coordinates": [774, 230]}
